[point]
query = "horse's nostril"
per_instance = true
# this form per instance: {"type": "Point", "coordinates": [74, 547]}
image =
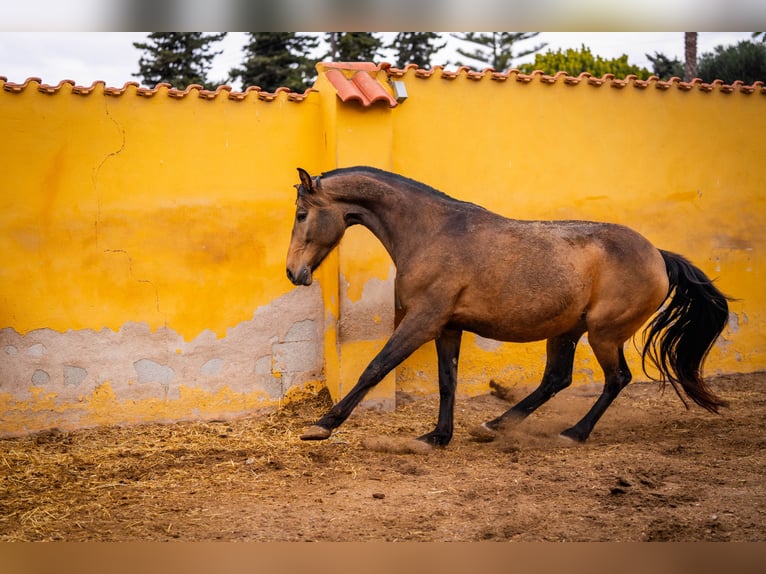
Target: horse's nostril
{"type": "Point", "coordinates": [290, 276]}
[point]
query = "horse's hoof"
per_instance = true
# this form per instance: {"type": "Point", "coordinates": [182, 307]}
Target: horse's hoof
{"type": "Point", "coordinates": [315, 432]}
{"type": "Point", "coordinates": [483, 433]}
{"type": "Point", "coordinates": [570, 435]}
{"type": "Point", "coordinates": [434, 440]}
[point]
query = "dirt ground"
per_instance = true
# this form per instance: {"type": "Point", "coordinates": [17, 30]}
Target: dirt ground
{"type": "Point", "coordinates": [651, 471]}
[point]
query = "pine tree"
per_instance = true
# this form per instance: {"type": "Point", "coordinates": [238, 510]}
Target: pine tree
{"type": "Point", "coordinates": [277, 59]}
{"type": "Point", "coordinates": [352, 46]}
{"type": "Point", "coordinates": [495, 49]}
{"type": "Point", "coordinates": [416, 48]}
{"type": "Point", "coordinates": [179, 58]}
{"type": "Point", "coordinates": [665, 68]}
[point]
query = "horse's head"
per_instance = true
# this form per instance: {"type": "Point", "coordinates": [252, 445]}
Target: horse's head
{"type": "Point", "coordinates": [318, 228]}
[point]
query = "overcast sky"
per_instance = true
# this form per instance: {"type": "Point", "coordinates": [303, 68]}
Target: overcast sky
{"type": "Point", "coordinates": [85, 57]}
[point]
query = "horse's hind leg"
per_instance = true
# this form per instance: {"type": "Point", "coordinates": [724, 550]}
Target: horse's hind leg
{"type": "Point", "coordinates": [557, 376]}
{"type": "Point", "coordinates": [616, 377]}
{"type": "Point", "coordinates": [448, 352]}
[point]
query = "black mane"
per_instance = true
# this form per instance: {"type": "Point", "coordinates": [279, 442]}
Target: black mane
{"type": "Point", "coordinates": [383, 174]}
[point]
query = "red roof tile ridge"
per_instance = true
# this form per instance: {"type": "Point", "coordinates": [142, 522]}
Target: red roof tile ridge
{"type": "Point", "coordinates": [164, 87]}
{"type": "Point", "coordinates": [113, 91]}
{"type": "Point", "coordinates": [16, 88]}
{"type": "Point", "coordinates": [759, 85]}
{"type": "Point", "coordinates": [51, 89]}
{"type": "Point", "coordinates": [179, 94]}
{"type": "Point", "coordinates": [372, 89]}
{"type": "Point", "coordinates": [360, 86]}
{"type": "Point", "coordinates": [399, 72]}
{"type": "Point", "coordinates": [343, 87]}
{"type": "Point", "coordinates": [213, 94]}
{"type": "Point", "coordinates": [369, 92]}
{"type": "Point", "coordinates": [607, 79]}
{"type": "Point", "coordinates": [239, 96]}
{"type": "Point", "coordinates": [417, 70]}
{"type": "Point", "coordinates": [86, 90]}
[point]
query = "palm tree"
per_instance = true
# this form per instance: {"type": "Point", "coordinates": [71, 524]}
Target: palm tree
{"type": "Point", "coordinates": [690, 52]}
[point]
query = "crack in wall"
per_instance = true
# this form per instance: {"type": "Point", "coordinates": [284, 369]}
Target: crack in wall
{"type": "Point", "coordinates": [156, 296]}
{"type": "Point", "coordinates": [96, 170]}
{"type": "Point", "coordinates": [139, 280]}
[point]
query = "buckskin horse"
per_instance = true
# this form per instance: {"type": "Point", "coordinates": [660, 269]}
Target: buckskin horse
{"type": "Point", "coordinates": [460, 267]}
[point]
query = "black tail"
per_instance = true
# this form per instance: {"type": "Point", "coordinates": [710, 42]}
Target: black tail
{"type": "Point", "coordinates": [680, 336]}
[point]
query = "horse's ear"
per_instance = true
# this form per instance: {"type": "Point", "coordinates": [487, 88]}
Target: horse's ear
{"type": "Point", "coordinates": [306, 180]}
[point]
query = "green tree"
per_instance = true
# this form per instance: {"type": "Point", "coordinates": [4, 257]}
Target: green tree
{"type": "Point", "coordinates": [277, 59]}
{"type": "Point", "coordinates": [416, 48]}
{"type": "Point", "coordinates": [352, 46]}
{"type": "Point", "coordinates": [496, 49]}
{"type": "Point", "coordinates": [575, 62]}
{"type": "Point", "coordinates": [745, 61]}
{"type": "Point", "coordinates": [179, 58]}
{"type": "Point", "coordinates": [665, 68]}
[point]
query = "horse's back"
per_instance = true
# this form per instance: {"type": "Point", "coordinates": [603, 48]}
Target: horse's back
{"type": "Point", "coordinates": [528, 280]}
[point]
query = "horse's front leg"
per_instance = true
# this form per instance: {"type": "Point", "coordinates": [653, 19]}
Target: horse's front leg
{"type": "Point", "coordinates": [448, 352]}
{"type": "Point", "coordinates": [411, 333]}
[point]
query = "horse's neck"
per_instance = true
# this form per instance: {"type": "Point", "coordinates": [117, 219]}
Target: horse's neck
{"type": "Point", "coordinates": [392, 213]}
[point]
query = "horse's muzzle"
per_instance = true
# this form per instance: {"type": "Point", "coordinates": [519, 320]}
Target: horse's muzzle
{"type": "Point", "coordinates": [303, 277]}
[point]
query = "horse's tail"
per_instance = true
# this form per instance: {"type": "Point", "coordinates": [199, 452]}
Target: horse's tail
{"type": "Point", "coordinates": [681, 334]}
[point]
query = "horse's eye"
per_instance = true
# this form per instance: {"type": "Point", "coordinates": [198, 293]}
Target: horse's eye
{"type": "Point", "coordinates": [301, 216]}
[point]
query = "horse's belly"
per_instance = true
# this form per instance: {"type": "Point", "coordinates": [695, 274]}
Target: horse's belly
{"type": "Point", "coordinates": [521, 333]}
{"type": "Point", "coordinates": [504, 320]}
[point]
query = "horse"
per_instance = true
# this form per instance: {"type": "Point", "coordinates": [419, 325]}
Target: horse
{"type": "Point", "coordinates": [461, 267]}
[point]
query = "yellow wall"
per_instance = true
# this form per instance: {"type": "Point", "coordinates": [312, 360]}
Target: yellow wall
{"type": "Point", "coordinates": [152, 209]}
{"type": "Point", "coordinates": [172, 213]}
{"type": "Point", "coordinates": [683, 167]}
{"type": "Point", "coordinates": [156, 226]}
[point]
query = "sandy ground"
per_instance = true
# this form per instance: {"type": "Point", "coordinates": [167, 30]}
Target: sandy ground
{"type": "Point", "coordinates": [652, 470]}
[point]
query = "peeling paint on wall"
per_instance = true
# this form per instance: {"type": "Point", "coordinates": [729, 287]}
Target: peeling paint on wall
{"type": "Point", "coordinates": [371, 315]}
{"type": "Point", "coordinates": [260, 361]}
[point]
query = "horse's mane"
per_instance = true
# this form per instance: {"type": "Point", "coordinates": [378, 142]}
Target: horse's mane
{"type": "Point", "coordinates": [387, 175]}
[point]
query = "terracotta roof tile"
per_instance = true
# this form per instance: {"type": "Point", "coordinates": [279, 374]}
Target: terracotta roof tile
{"type": "Point", "coordinates": [162, 88]}
{"type": "Point", "coordinates": [605, 80]}
{"type": "Point", "coordinates": [354, 82]}
{"type": "Point", "coordinates": [366, 83]}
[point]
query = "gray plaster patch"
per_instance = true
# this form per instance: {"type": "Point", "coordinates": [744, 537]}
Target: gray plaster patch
{"type": "Point", "coordinates": [36, 350]}
{"type": "Point", "coordinates": [266, 379]}
{"type": "Point", "coordinates": [302, 331]}
{"type": "Point", "coordinates": [212, 367]}
{"type": "Point", "coordinates": [40, 377]}
{"type": "Point", "coordinates": [74, 375]}
{"type": "Point", "coordinates": [372, 316]}
{"type": "Point", "coordinates": [273, 387]}
{"type": "Point", "coordinates": [150, 372]}
{"type": "Point", "coordinates": [141, 363]}
{"type": "Point", "coordinates": [263, 365]}
{"type": "Point", "coordinates": [298, 356]}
